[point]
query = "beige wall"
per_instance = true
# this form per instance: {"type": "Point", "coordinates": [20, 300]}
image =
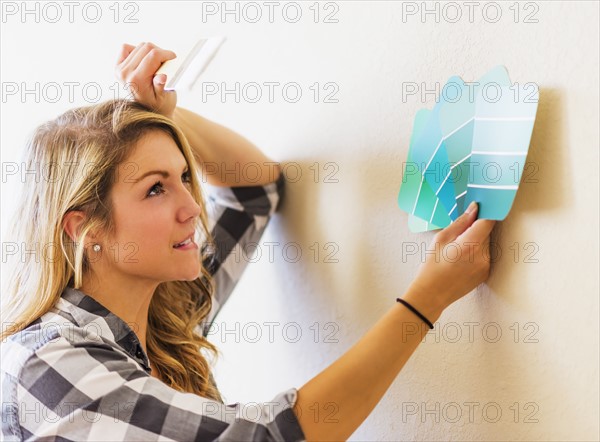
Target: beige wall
{"type": "Point", "coordinates": [525, 344]}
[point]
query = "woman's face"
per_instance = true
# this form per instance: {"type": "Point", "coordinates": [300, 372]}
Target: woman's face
{"type": "Point", "coordinates": [153, 210]}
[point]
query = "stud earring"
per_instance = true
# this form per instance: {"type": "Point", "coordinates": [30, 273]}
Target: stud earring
{"type": "Point", "coordinates": [96, 247]}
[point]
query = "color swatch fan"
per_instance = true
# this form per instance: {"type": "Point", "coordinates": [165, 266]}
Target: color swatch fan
{"type": "Point", "coordinates": [471, 146]}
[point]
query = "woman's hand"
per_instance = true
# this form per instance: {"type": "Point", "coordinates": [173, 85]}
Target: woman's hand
{"type": "Point", "coordinates": [136, 66]}
{"type": "Point", "coordinates": [459, 260]}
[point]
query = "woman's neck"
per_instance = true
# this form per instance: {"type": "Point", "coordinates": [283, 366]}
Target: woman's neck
{"type": "Point", "coordinates": [129, 300]}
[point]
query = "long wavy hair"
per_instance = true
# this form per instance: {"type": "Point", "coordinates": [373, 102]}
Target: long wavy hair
{"type": "Point", "coordinates": [80, 152]}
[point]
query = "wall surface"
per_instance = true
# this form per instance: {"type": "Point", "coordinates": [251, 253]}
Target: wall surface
{"type": "Point", "coordinates": [516, 359]}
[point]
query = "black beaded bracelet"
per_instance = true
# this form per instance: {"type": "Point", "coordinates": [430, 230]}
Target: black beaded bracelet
{"type": "Point", "coordinates": [415, 311]}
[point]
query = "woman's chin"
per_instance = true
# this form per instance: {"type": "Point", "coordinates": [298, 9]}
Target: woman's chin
{"type": "Point", "coordinates": [188, 276]}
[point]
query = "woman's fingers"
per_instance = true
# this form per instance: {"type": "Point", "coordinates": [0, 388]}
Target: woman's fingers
{"type": "Point", "coordinates": [125, 51]}
{"type": "Point", "coordinates": [135, 58]}
{"type": "Point", "coordinates": [152, 61]}
{"type": "Point", "coordinates": [159, 83]}
{"type": "Point", "coordinates": [455, 229]}
{"type": "Point", "coordinates": [142, 62]}
{"type": "Point", "coordinates": [125, 66]}
{"type": "Point", "coordinates": [480, 231]}
{"type": "Point", "coordinates": [138, 66]}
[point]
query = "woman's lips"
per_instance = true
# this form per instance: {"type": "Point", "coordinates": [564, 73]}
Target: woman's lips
{"type": "Point", "coordinates": [187, 239]}
{"type": "Point", "coordinates": [191, 245]}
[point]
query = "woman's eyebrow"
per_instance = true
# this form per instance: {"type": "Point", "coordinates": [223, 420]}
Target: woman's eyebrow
{"type": "Point", "coordinates": [164, 173]}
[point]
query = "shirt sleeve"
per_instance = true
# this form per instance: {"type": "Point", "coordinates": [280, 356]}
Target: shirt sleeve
{"type": "Point", "coordinates": [238, 217]}
{"type": "Point", "coordinates": [82, 390]}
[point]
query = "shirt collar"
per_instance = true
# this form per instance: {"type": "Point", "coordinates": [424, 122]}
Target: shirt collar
{"type": "Point", "coordinates": [86, 310]}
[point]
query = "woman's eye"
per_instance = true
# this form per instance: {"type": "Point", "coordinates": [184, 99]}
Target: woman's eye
{"type": "Point", "coordinates": [157, 186]}
{"type": "Point", "coordinates": [186, 177]}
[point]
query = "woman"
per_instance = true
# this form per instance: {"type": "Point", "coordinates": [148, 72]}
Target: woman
{"type": "Point", "coordinates": [103, 337]}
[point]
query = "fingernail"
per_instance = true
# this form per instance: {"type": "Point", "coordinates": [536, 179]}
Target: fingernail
{"type": "Point", "coordinates": [471, 207]}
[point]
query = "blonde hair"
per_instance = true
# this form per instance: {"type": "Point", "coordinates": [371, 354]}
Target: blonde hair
{"type": "Point", "coordinates": [80, 152]}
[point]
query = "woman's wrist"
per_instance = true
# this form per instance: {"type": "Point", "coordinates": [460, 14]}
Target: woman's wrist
{"type": "Point", "coordinates": [425, 302]}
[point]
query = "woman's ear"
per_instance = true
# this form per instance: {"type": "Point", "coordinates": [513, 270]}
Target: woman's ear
{"type": "Point", "coordinates": [72, 222]}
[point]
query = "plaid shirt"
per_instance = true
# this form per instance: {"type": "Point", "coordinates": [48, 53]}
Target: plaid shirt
{"type": "Point", "coordinates": [80, 373]}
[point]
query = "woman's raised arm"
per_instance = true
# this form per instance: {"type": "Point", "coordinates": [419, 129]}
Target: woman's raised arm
{"type": "Point", "coordinates": [349, 389]}
{"type": "Point", "coordinates": [226, 158]}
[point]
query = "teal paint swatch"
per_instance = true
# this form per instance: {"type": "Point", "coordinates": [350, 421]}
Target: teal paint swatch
{"type": "Point", "coordinates": [471, 146]}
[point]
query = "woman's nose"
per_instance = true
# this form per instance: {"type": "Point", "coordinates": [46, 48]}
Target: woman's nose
{"type": "Point", "coordinates": [189, 208]}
